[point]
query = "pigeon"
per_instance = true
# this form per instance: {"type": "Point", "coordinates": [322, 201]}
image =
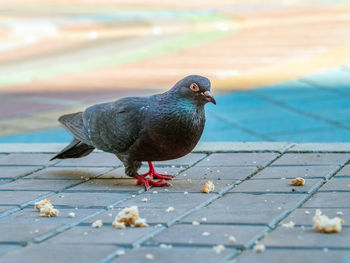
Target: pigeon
{"type": "Point", "coordinates": [156, 128]}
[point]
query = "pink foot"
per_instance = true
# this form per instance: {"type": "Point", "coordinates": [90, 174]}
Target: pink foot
{"type": "Point", "coordinates": [142, 180]}
{"type": "Point", "coordinates": [153, 174]}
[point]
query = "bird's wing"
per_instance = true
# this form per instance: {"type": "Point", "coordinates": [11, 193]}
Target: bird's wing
{"type": "Point", "coordinates": [74, 123]}
{"type": "Point", "coordinates": [115, 126]}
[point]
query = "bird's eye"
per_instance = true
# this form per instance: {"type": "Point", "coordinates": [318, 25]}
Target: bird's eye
{"type": "Point", "coordinates": [194, 87]}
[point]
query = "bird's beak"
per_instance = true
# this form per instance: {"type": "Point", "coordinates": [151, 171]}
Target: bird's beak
{"type": "Point", "coordinates": [209, 97]}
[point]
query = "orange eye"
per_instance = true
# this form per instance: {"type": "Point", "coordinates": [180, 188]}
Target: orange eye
{"type": "Point", "coordinates": [194, 87]}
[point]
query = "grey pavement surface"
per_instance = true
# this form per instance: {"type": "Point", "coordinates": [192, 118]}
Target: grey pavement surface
{"type": "Point", "coordinates": [252, 197]}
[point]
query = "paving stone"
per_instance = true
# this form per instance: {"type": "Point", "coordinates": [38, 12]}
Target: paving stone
{"type": "Point", "coordinates": [195, 186]}
{"type": "Point", "coordinates": [26, 159]}
{"type": "Point", "coordinates": [119, 172]}
{"type": "Point", "coordinates": [59, 253]}
{"type": "Point", "coordinates": [290, 172]}
{"type": "Point", "coordinates": [276, 186]}
{"type": "Point", "coordinates": [293, 255]}
{"type": "Point", "coordinates": [166, 199]}
{"type": "Point", "coordinates": [299, 217]}
{"type": "Point", "coordinates": [4, 249]}
{"type": "Point", "coordinates": [19, 197]}
{"type": "Point", "coordinates": [39, 185]}
{"type": "Point", "coordinates": [336, 184]}
{"type": "Point", "coordinates": [5, 208]}
{"type": "Point", "coordinates": [68, 173]}
{"type": "Point", "coordinates": [345, 171]}
{"type": "Point", "coordinates": [108, 185]}
{"type": "Point", "coordinates": [173, 255]}
{"type": "Point", "coordinates": [329, 199]}
{"type": "Point", "coordinates": [87, 200]}
{"type": "Point", "coordinates": [218, 234]}
{"type": "Point", "coordinates": [246, 208]}
{"type": "Point", "coordinates": [105, 235]}
{"type": "Point", "coordinates": [153, 215]}
{"type": "Point", "coordinates": [312, 159]}
{"type": "Point", "coordinates": [306, 237]}
{"type": "Point", "coordinates": [240, 146]}
{"type": "Point", "coordinates": [100, 159]}
{"type": "Point", "coordinates": [216, 172]}
{"type": "Point", "coordinates": [16, 171]}
{"type": "Point", "coordinates": [186, 160]}
{"type": "Point", "coordinates": [238, 159]}
{"type": "Point", "coordinates": [4, 181]}
{"type": "Point", "coordinates": [321, 147]}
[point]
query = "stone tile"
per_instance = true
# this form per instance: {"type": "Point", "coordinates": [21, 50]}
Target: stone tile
{"type": "Point", "coordinates": [336, 184]}
{"type": "Point", "coordinates": [218, 234]}
{"type": "Point", "coordinates": [345, 171]}
{"type": "Point", "coordinates": [246, 208]}
{"type": "Point", "coordinates": [38, 184]}
{"type": "Point", "coordinates": [59, 253]}
{"type": "Point", "coordinates": [216, 172]}
{"type": "Point", "coordinates": [186, 160]}
{"type": "Point", "coordinates": [4, 181]}
{"type": "Point", "coordinates": [329, 199]}
{"type": "Point", "coordinates": [4, 249]}
{"type": "Point", "coordinates": [100, 159]}
{"type": "Point", "coordinates": [173, 255]}
{"type": "Point", "coordinates": [290, 172]}
{"type": "Point", "coordinates": [307, 237]}
{"type": "Point", "coordinates": [312, 159]}
{"type": "Point", "coordinates": [87, 200]}
{"type": "Point", "coordinates": [108, 185]}
{"type": "Point", "coordinates": [119, 172]}
{"type": "Point", "coordinates": [26, 159]}
{"type": "Point", "coordinates": [299, 217]}
{"type": "Point", "coordinates": [5, 208]}
{"type": "Point", "coordinates": [68, 173]}
{"type": "Point", "coordinates": [276, 186]}
{"type": "Point", "coordinates": [19, 197]}
{"type": "Point", "coordinates": [240, 146]}
{"type": "Point", "coordinates": [166, 199]}
{"type": "Point", "coordinates": [105, 235]}
{"type": "Point", "coordinates": [16, 171]}
{"type": "Point", "coordinates": [238, 159]}
{"type": "Point", "coordinates": [153, 215]}
{"type": "Point", "coordinates": [321, 147]}
{"type": "Point", "coordinates": [294, 255]}
{"type": "Point", "coordinates": [195, 186]}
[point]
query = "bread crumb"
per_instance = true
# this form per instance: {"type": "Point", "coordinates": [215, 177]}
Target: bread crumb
{"type": "Point", "coordinates": [324, 224]}
{"type": "Point", "coordinates": [118, 225]}
{"type": "Point", "coordinates": [155, 192]}
{"type": "Point", "coordinates": [208, 187]}
{"type": "Point", "coordinates": [71, 215]}
{"type": "Point", "coordinates": [185, 193]}
{"type": "Point", "coordinates": [307, 212]}
{"type": "Point", "coordinates": [232, 239]}
{"type": "Point", "coordinates": [133, 195]}
{"type": "Point", "coordinates": [203, 219]}
{"type": "Point", "coordinates": [170, 209]}
{"type": "Point", "coordinates": [144, 200]}
{"type": "Point", "coordinates": [165, 246]}
{"type": "Point", "coordinates": [339, 213]}
{"type": "Point", "coordinates": [290, 224]}
{"type": "Point", "coordinates": [259, 248]}
{"type": "Point", "coordinates": [219, 248]}
{"type": "Point", "coordinates": [41, 203]}
{"type": "Point", "coordinates": [165, 190]}
{"type": "Point", "coordinates": [97, 224]}
{"type": "Point", "coordinates": [48, 211]}
{"type": "Point", "coordinates": [298, 181]}
{"type": "Point", "coordinates": [195, 223]}
{"type": "Point", "coordinates": [120, 253]}
{"type": "Point", "coordinates": [129, 216]}
{"type": "Point", "coordinates": [149, 256]}
{"type": "Point", "coordinates": [205, 234]}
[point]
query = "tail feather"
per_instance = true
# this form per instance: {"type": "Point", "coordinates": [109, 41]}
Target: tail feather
{"type": "Point", "coordinates": [75, 149]}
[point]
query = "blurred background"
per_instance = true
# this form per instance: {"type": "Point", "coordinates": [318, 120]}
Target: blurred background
{"type": "Point", "coordinates": [280, 69]}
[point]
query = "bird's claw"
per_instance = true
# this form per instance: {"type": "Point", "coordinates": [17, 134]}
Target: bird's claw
{"type": "Point", "coordinates": [142, 180]}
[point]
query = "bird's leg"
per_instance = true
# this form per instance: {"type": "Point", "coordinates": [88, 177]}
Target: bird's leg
{"type": "Point", "coordinates": [153, 174]}
{"type": "Point", "coordinates": [141, 179]}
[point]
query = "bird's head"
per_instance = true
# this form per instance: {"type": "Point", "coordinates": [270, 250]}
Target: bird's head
{"type": "Point", "coordinates": [195, 88]}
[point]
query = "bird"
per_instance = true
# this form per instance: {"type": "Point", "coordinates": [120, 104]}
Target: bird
{"type": "Point", "coordinates": [160, 127]}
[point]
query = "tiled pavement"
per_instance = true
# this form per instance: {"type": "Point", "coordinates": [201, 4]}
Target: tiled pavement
{"type": "Point", "coordinates": [253, 196]}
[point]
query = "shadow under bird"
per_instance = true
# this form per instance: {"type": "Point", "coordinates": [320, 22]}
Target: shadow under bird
{"type": "Point", "coordinates": [157, 128]}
